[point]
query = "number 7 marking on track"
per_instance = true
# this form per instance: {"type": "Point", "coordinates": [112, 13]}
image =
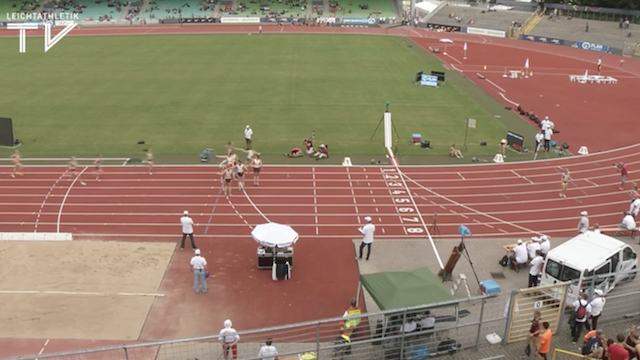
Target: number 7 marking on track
{"type": "Point", "coordinates": [412, 219]}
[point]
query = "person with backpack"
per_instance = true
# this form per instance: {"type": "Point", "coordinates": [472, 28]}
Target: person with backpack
{"type": "Point", "coordinates": [579, 317]}
{"type": "Point", "coordinates": [594, 348]}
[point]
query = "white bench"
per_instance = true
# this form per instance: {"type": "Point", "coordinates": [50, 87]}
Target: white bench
{"type": "Point", "coordinates": [42, 236]}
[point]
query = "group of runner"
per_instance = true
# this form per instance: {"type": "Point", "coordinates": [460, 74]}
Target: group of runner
{"type": "Point", "coordinates": [233, 168]}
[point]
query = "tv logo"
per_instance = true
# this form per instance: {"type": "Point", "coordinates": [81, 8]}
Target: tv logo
{"type": "Point", "coordinates": [48, 41]}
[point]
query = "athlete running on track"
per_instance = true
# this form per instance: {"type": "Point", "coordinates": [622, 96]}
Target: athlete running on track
{"type": "Point", "coordinates": [150, 161]}
{"type": "Point", "coordinates": [73, 170]}
{"type": "Point", "coordinates": [227, 175]}
{"type": "Point", "coordinates": [17, 164]}
{"type": "Point", "coordinates": [98, 166]}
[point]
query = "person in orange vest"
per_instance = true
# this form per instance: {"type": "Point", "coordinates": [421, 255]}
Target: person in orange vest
{"type": "Point", "coordinates": [349, 324]}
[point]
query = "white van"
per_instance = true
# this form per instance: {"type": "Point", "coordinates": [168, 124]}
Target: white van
{"type": "Point", "coordinates": [587, 260]}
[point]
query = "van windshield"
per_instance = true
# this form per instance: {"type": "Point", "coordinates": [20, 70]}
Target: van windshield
{"type": "Point", "coordinates": [561, 272]}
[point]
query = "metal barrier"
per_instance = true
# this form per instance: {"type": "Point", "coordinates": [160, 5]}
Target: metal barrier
{"type": "Point", "coordinates": [545, 299]}
{"type": "Point", "coordinates": [460, 325]}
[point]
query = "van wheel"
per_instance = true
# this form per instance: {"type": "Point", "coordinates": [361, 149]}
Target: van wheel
{"type": "Point", "coordinates": [632, 276]}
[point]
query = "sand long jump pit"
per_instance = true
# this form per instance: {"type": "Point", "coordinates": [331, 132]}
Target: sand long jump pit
{"type": "Point", "coordinates": [79, 289]}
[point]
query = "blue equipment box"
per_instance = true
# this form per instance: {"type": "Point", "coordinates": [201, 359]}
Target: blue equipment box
{"type": "Point", "coordinates": [490, 287]}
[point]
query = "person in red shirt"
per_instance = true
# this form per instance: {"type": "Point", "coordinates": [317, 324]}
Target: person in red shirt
{"type": "Point", "coordinates": [623, 172]}
{"type": "Point", "coordinates": [308, 144]}
{"type": "Point", "coordinates": [616, 350]}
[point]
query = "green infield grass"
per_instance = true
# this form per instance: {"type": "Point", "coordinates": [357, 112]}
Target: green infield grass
{"type": "Point", "coordinates": [184, 93]}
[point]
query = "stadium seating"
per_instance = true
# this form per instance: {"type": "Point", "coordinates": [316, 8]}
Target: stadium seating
{"type": "Point", "coordinates": [159, 9]}
{"type": "Point", "coordinates": [285, 7]}
{"type": "Point", "coordinates": [94, 10]}
{"type": "Point", "coordinates": [495, 20]}
{"type": "Point", "coordinates": [7, 7]}
{"type": "Point", "coordinates": [600, 32]}
{"type": "Point", "coordinates": [350, 8]}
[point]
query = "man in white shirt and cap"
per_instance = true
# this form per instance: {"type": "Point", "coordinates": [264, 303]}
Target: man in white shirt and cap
{"type": "Point", "coordinates": [583, 224]}
{"type": "Point", "coordinates": [200, 271]}
{"type": "Point", "coordinates": [539, 140]}
{"type": "Point", "coordinates": [597, 304]}
{"type": "Point", "coordinates": [535, 269]}
{"type": "Point", "coordinates": [545, 246]}
{"type": "Point", "coordinates": [367, 232]}
{"type": "Point", "coordinates": [628, 222]}
{"type": "Point", "coordinates": [229, 338]}
{"type": "Point", "coordinates": [187, 230]}
{"type": "Point", "coordinates": [520, 255]}
{"type": "Point", "coordinates": [248, 136]}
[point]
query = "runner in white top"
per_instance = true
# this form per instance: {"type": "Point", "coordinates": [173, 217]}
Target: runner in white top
{"type": "Point", "coordinates": [73, 170]}
{"type": "Point", "coordinates": [241, 169]}
{"type": "Point", "coordinates": [98, 165]}
{"type": "Point", "coordinates": [17, 164]}
{"type": "Point", "coordinates": [150, 161]}
{"type": "Point", "coordinates": [565, 180]}
{"type": "Point", "coordinates": [227, 175]}
{"type": "Point", "coordinates": [256, 164]}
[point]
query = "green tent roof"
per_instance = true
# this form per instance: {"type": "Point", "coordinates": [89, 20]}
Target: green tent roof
{"type": "Point", "coordinates": [399, 289]}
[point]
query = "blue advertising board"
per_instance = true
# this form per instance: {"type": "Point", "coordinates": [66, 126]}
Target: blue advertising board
{"type": "Point", "coordinates": [429, 80]}
{"type": "Point", "coordinates": [359, 21]}
{"type": "Point", "coordinates": [591, 46]}
{"type": "Point", "coordinates": [542, 39]}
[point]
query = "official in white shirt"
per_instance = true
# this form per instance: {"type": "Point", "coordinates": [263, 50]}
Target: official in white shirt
{"type": "Point", "coordinates": [583, 224]}
{"type": "Point", "coordinates": [367, 232]}
{"type": "Point", "coordinates": [533, 247]}
{"type": "Point", "coordinates": [248, 136]}
{"type": "Point", "coordinates": [539, 140]}
{"type": "Point", "coordinates": [535, 269]}
{"type": "Point", "coordinates": [268, 351]}
{"type": "Point", "coordinates": [548, 133]}
{"type": "Point", "coordinates": [187, 230]}
{"type": "Point", "coordinates": [520, 255]}
{"type": "Point", "coordinates": [635, 207]}
{"type": "Point", "coordinates": [200, 270]}
{"type": "Point", "coordinates": [545, 124]}
{"type": "Point", "coordinates": [545, 246]}
{"type": "Point", "coordinates": [229, 338]}
{"type": "Point", "coordinates": [597, 305]}
{"type": "Point", "coordinates": [628, 222]}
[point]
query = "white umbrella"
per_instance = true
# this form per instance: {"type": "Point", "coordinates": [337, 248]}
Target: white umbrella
{"type": "Point", "coordinates": [274, 235]}
{"type": "Point", "coordinates": [446, 42]}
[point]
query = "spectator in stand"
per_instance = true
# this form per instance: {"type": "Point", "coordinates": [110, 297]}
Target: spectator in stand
{"type": "Point", "coordinates": [534, 332]}
{"type": "Point", "coordinates": [594, 348]}
{"type": "Point", "coordinates": [597, 305]}
{"type": "Point", "coordinates": [544, 345]}
{"type": "Point", "coordinates": [617, 351]}
{"type": "Point", "coordinates": [268, 351]}
{"type": "Point", "coordinates": [581, 311]}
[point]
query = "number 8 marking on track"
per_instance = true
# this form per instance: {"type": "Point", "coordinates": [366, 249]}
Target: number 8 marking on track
{"type": "Point", "coordinates": [415, 230]}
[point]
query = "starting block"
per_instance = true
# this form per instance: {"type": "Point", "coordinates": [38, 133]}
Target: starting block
{"type": "Point", "coordinates": [498, 158]}
{"type": "Point", "coordinates": [583, 150]}
{"type": "Point", "coordinates": [347, 162]}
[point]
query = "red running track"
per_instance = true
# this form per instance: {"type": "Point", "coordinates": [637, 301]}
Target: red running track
{"type": "Point", "coordinates": [321, 202]}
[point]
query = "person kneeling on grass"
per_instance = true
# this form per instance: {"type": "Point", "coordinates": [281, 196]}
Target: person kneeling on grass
{"type": "Point", "coordinates": [455, 152]}
{"type": "Point", "coordinates": [322, 153]}
{"type": "Point", "coordinates": [295, 152]}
